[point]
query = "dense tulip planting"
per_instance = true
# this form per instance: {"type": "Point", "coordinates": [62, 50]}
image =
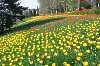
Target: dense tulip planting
{"type": "Point", "coordinates": [53, 45]}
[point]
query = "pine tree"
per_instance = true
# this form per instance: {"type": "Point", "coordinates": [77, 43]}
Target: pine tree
{"type": "Point", "coordinates": [9, 10]}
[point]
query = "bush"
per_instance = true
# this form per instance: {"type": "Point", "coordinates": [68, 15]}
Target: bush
{"type": "Point", "coordinates": [96, 11]}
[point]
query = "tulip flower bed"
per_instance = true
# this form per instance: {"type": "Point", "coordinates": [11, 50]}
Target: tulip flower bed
{"type": "Point", "coordinates": [37, 18]}
{"type": "Point", "coordinates": [53, 44]}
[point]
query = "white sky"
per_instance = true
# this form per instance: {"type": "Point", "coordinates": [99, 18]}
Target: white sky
{"type": "Point", "coordinates": [29, 3]}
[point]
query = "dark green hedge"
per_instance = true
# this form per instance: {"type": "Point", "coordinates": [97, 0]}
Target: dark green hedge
{"type": "Point", "coordinates": [97, 11]}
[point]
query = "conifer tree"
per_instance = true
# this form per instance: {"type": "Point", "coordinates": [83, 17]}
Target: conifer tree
{"type": "Point", "coordinates": [9, 10]}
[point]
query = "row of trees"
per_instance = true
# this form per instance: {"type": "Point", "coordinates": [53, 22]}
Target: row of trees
{"type": "Point", "coordinates": [58, 6]}
{"type": "Point", "coordinates": [9, 11]}
{"type": "Point", "coordinates": [31, 12]}
{"type": "Point", "coordinates": [81, 3]}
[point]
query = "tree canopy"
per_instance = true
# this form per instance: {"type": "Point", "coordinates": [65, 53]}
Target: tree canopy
{"type": "Point", "coordinates": [9, 9]}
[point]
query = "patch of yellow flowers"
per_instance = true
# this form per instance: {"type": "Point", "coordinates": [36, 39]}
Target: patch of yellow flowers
{"type": "Point", "coordinates": [69, 43]}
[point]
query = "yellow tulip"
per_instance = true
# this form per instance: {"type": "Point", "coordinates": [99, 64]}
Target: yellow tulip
{"type": "Point", "coordinates": [38, 59]}
{"type": "Point", "coordinates": [98, 39]}
{"type": "Point", "coordinates": [16, 59]}
{"type": "Point", "coordinates": [10, 64]}
{"type": "Point", "coordinates": [52, 50]}
{"type": "Point", "coordinates": [41, 61]}
{"type": "Point", "coordinates": [61, 48]}
{"type": "Point", "coordinates": [65, 53]}
{"type": "Point", "coordinates": [88, 51]}
{"type": "Point", "coordinates": [85, 63]}
{"type": "Point", "coordinates": [98, 43]}
{"type": "Point", "coordinates": [78, 58]}
{"type": "Point", "coordinates": [21, 58]}
{"type": "Point", "coordinates": [45, 54]}
{"type": "Point", "coordinates": [74, 45]}
{"type": "Point", "coordinates": [46, 65]}
{"type": "Point", "coordinates": [98, 46]}
{"type": "Point", "coordinates": [55, 54]}
{"type": "Point", "coordinates": [84, 44]}
{"type": "Point", "coordinates": [53, 64]}
{"type": "Point", "coordinates": [64, 63]}
{"type": "Point", "coordinates": [20, 63]}
{"type": "Point", "coordinates": [68, 65]}
{"type": "Point", "coordinates": [3, 65]}
{"type": "Point", "coordinates": [48, 57]}
{"type": "Point", "coordinates": [14, 65]}
{"type": "Point", "coordinates": [80, 42]}
{"type": "Point", "coordinates": [80, 54]}
{"type": "Point", "coordinates": [98, 65]}
{"type": "Point", "coordinates": [78, 47]}
{"type": "Point", "coordinates": [29, 53]}
{"type": "Point", "coordinates": [30, 62]}
{"type": "Point", "coordinates": [64, 50]}
{"type": "Point", "coordinates": [37, 55]}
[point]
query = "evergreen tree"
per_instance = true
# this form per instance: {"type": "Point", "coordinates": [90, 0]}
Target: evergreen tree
{"type": "Point", "coordinates": [9, 11]}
